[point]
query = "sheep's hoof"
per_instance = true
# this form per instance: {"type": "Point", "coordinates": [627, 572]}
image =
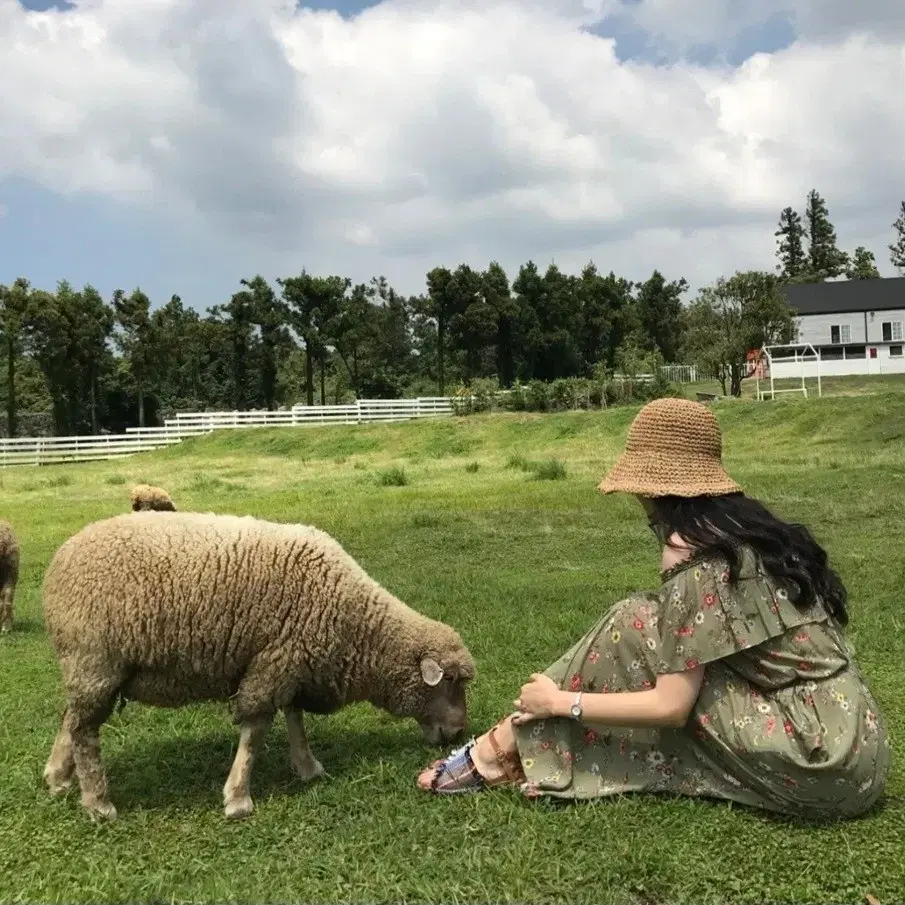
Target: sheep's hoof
{"type": "Point", "coordinates": [309, 770]}
{"type": "Point", "coordinates": [238, 808]}
{"type": "Point", "coordinates": [57, 786]}
{"type": "Point", "coordinates": [101, 811]}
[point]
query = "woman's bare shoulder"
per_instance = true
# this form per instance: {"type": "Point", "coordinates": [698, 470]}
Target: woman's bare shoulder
{"type": "Point", "coordinates": [675, 552]}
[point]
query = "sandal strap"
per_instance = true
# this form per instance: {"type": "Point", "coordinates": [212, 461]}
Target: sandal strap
{"type": "Point", "coordinates": [509, 763]}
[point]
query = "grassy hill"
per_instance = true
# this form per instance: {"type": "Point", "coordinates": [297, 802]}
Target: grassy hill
{"type": "Point", "coordinates": [492, 524]}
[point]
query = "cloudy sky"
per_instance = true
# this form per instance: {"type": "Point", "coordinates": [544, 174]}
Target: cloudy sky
{"type": "Point", "coordinates": [180, 145]}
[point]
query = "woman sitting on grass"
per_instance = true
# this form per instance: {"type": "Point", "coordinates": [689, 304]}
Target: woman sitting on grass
{"type": "Point", "coordinates": [734, 682]}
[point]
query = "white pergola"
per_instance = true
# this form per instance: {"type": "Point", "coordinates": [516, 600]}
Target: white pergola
{"type": "Point", "coordinates": [801, 355]}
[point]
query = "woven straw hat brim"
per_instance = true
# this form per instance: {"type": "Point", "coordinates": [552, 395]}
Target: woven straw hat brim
{"type": "Point", "coordinates": [657, 474]}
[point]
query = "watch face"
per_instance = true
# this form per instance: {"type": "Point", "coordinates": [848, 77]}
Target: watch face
{"type": "Point", "coordinates": [576, 711]}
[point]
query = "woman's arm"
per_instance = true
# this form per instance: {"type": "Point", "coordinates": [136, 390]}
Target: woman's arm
{"type": "Point", "coordinates": [665, 706]}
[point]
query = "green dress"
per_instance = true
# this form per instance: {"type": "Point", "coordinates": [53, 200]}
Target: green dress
{"type": "Point", "coordinates": [784, 720]}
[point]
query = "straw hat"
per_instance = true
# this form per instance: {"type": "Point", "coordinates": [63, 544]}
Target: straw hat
{"type": "Point", "coordinates": [674, 448]}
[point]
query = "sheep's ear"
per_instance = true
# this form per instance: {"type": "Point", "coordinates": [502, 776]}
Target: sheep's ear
{"type": "Point", "coordinates": [431, 671]}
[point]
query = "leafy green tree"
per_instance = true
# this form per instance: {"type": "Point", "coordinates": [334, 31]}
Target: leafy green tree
{"type": "Point", "coordinates": [659, 307]}
{"type": "Point", "coordinates": [391, 346]}
{"type": "Point", "coordinates": [67, 334]}
{"type": "Point", "coordinates": [793, 262]}
{"type": "Point", "coordinates": [133, 339]}
{"type": "Point", "coordinates": [863, 265]}
{"type": "Point", "coordinates": [472, 321]}
{"type": "Point", "coordinates": [314, 303]}
{"type": "Point", "coordinates": [269, 315]}
{"type": "Point", "coordinates": [550, 305]}
{"type": "Point", "coordinates": [825, 260]}
{"type": "Point", "coordinates": [734, 317]}
{"type": "Point", "coordinates": [897, 246]}
{"type": "Point", "coordinates": [352, 332]}
{"type": "Point", "coordinates": [438, 306]}
{"type": "Point", "coordinates": [505, 320]}
{"type": "Point", "coordinates": [237, 316]}
{"type": "Point", "coordinates": [14, 304]}
{"type": "Point", "coordinates": [94, 329]}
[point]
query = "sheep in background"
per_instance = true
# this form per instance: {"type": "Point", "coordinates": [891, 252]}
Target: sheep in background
{"type": "Point", "coordinates": [146, 497]}
{"type": "Point", "coordinates": [192, 607]}
{"type": "Point", "coordinates": [9, 575]}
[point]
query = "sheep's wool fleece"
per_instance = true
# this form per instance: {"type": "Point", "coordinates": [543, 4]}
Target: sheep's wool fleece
{"type": "Point", "coordinates": [191, 599]}
{"type": "Point", "coordinates": [9, 546]}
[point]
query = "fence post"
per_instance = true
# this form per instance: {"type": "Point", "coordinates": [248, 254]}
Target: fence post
{"type": "Point", "coordinates": [358, 411]}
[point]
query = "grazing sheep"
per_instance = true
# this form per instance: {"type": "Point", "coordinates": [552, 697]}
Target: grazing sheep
{"type": "Point", "coordinates": [9, 575]}
{"type": "Point", "coordinates": [169, 609]}
{"type": "Point", "coordinates": [147, 498]}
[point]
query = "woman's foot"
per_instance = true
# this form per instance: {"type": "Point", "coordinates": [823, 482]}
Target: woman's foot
{"type": "Point", "coordinates": [490, 760]}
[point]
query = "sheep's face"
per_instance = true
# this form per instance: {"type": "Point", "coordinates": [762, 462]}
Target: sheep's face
{"type": "Point", "coordinates": [442, 711]}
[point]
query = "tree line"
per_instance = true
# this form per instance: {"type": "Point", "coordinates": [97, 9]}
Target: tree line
{"type": "Point", "coordinates": [101, 365]}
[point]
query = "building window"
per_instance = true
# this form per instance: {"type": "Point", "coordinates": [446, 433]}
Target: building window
{"type": "Point", "coordinates": [828, 353]}
{"type": "Point", "coordinates": [840, 333]}
{"type": "Point", "coordinates": [855, 352]}
{"type": "Point", "coordinates": [895, 351]}
{"type": "Point", "coordinates": [892, 331]}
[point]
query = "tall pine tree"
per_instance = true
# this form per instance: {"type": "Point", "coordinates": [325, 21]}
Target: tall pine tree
{"type": "Point", "coordinates": [659, 306]}
{"type": "Point", "coordinates": [14, 306]}
{"type": "Point", "coordinates": [825, 260]}
{"type": "Point", "coordinates": [790, 250]}
{"type": "Point", "coordinates": [897, 248]}
{"type": "Point", "coordinates": [863, 265]}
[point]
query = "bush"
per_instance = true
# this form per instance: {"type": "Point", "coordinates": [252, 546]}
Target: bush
{"type": "Point", "coordinates": [393, 477]}
{"type": "Point", "coordinates": [551, 470]}
{"type": "Point", "coordinates": [537, 396]}
{"type": "Point", "coordinates": [481, 396]}
{"type": "Point", "coordinates": [516, 399]}
{"type": "Point", "coordinates": [518, 461]}
{"type": "Point", "coordinates": [472, 467]}
{"type": "Point", "coordinates": [632, 386]}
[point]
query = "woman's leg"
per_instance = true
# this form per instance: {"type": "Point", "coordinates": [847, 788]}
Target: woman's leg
{"type": "Point", "coordinates": [615, 655]}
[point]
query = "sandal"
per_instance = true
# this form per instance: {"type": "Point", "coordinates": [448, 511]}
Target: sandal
{"type": "Point", "coordinates": [458, 773]}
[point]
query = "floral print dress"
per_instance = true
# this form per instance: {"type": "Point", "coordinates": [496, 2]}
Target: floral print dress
{"type": "Point", "coordinates": [784, 720]}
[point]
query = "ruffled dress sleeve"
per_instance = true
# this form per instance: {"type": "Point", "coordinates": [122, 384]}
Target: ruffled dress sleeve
{"type": "Point", "coordinates": [704, 618]}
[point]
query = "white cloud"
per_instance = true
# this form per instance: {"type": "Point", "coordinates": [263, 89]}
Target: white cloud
{"type": "Point", "coordinates": [430, 132]}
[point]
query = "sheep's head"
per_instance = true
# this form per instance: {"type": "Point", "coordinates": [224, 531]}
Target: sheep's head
{"type": "Point", "coordinates": [146, 498]}
{"type": "Point", "coordinates": [437, 677]}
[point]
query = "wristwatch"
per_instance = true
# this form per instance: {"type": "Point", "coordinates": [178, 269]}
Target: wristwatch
{"type": "Point", "coordinates": [575, 710]}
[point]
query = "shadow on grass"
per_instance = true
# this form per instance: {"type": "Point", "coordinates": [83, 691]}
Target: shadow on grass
{"type": "Point", "coordinates": [25, 626]}
{"type": "Point", "coordinates": [190, 772]}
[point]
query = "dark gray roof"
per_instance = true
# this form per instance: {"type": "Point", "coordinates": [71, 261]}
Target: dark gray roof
{"type": "Point", "coordinates": [846, 295]}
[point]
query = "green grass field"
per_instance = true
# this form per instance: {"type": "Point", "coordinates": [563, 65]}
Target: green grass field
{"type": "Point", "coordinates": [831, 386]}
{"type": "Point", "coordinates": [491, 524]}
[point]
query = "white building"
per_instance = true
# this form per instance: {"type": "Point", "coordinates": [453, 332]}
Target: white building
{"type": "Point", "coordinates": [856, 326]}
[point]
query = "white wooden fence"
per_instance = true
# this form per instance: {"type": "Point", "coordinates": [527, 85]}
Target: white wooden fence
{"type": "Point", "coordinates": [47, 450]}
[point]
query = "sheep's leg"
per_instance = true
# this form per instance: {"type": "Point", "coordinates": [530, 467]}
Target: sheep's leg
{"type": "Point", "coordinates": [84, 730]}
{"type": "Point", "coordinates": [305, 765]}
{"type": "Point", "coordinates": [59, 771]}
{"type": "Point", "coordinates": [6, 604]}
{"type": "Point", "coordinates": [237, 801]}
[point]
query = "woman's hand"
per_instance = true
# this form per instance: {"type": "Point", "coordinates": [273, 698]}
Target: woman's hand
{"type": "Point", "coordinates": [540, 698]}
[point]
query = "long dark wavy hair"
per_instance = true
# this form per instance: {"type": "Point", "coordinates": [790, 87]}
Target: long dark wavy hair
{"type": "Point", "coordinates": [722, 525]}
